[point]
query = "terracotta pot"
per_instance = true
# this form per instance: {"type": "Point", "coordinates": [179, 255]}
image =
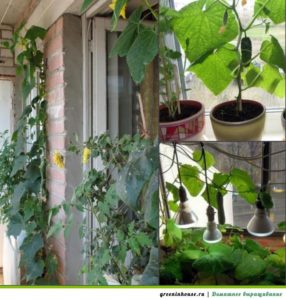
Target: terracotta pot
{"type": "Point", "coordinates": [249, 130]}
{"type": "Point", "coordinates": [184, 129]}
{"type": "Point", "coordinates": [283, 120]}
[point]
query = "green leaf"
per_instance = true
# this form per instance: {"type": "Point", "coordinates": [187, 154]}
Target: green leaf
{"type": "Point", "coordinates": [85, 5]}
{"type": "Point", "coordinates": [244, 185]}
{"type": "Point", "coordinates": [272, 53]}
{"type": "Point", "coordinates": [281, 252]}
{"type": "Point", "coordinates": [19, 192]}
{"type": "Point", "coordinates": [172, 234]}
{"type": "Point", "coordinates": [55, 229]}
{"type": "Point", "coordinates": [216, 70]}
{"type": "Point", "coordinates": [31, 246]}
{"type": "Point", "coordinates": [35, 32]}
{"type": "Point", "coordinates": [143, 239]}
{"type": "Point", "coordinates": [213, 264]}
{"type": "Point", "coordinates": [273, 9]}
{"type": "Point", "coordinates": [135, 175]}
{"type": "Point", "coordinates": [151, 202]}
{"type": "Point", "coordinates": [210, 160]}
{"type": "Point", "coordinates": [250, 267]}
{"type": "Point", "coordinates": [34, 269]}
{"type": "Point", "coordinates": [192, 254]}
{"type": "Point", "coordinates": [171, 270]}
{"type": "Point", "coordinates": [128, 36]}
{"type": "Point", "coordinates": [212, 195]}
{"type": "Point", "coordinates": [191, 180]}
{"type": "Point", "coordinates": [171, 188]}
{"type": "Point", "coordinates": [19, 164]}
{"type": "Point", "coordinates": [173, 206]}
{"type": "Point", "coordinates": [271, 81]}
{"type": "Point", "coordinates": [266, 199]}
{"type": "Point", "coordinates": [119, 4]}
{"type": "Point", "coordinates": [134, 245]}
{"type": "Point", "coordinates": [221, 180]}
{"type": "Point", "coordinates": [275, 260]}
{"type": "Point", "coordinates": [202, 28]}
{"type": "Point", "coordinates": [15, 225]}
{"type": "Point", "coordinates": [151, 273]}
{"type": "Point", "coordinates": [256, 249]}
{"type": "Point", "coordinates": [142, 52]}
{"type": "Point", "coordinates": [220, 249]}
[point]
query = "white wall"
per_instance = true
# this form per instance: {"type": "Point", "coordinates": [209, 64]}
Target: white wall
{"type": "Point", "coordinates": [6, 94]}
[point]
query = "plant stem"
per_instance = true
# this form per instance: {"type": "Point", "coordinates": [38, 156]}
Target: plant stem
{"type": "Point", "coordinates": [256, 15]}
{"type": "Point", "coordinates": [239, 83]}
{"type": "Point", "coordinates": [151, 9]}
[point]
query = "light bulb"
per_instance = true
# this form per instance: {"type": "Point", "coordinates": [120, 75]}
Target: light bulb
{"type": "Point", "coordinates": [212, 234]}
{"type": "Point", "coordinates": [260, 224]}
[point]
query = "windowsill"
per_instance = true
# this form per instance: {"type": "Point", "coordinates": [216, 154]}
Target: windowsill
{"type": "Point", "coordinates": [273, 130]}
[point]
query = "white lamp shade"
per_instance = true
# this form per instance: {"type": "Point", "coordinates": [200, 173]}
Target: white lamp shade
{"type": "Point", "coordinates": [260, 224]}
{"type": "Point", "coordinates": [212, 235]}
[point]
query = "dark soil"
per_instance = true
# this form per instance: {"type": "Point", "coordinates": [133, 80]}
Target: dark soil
{"type": "Point", "coordinates": [186, 111]}
{"type": "Point", "coordinates": [229, 113]}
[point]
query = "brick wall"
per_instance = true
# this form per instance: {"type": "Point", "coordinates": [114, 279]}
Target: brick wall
{"type": "Point", "coordinates": [6, 58]}
{"type": "Point", "coordinates": [54, 51]}
{"type": "Point", "coordinates": [63, 55]}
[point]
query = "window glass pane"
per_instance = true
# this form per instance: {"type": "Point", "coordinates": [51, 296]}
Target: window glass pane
{"type": "Point", "coordinates": [121, 94]}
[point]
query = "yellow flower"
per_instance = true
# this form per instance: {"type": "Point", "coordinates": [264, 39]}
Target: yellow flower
{"type": "Point", "coordinates": [58, 159]}
{"type": "Point", "coordinates": [222, 29]}
{"type": "Point", "coordinates": [243, 2]}
{"type": "Point", "coordinates": [86, 155]}
{"type": "Point", "coordinates": [123, 9]}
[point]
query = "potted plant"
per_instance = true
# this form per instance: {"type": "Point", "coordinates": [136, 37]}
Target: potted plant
{"type": "Point", "coordinates": [179, 119]}
{"type": "Point", "coordinates": [221, 52]}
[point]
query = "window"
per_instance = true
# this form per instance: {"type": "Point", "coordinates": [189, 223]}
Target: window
{"type": "Point", "coordinates": [114, 107]}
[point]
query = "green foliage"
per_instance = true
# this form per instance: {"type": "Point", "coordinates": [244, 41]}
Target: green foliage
{"type": "Point", "coordinates": [173, 234]}
{"type": "Point", "coordinates": [23, 198]}
{"type": "Point", "coordinates": [123, 200]}
{"type": "Point", "coordinates": [85, 5]}
{"type": "Point", "coordinates": [200, 25]}
{"type": "Point", "coordinates": [234, 261]}
{"type": "Point", "coordinates": [192, 177]}
{"type": "Point", "coordinates": [137, 42]}
{"type": "Point", "coordinates": [211, 33]}
{"type": "Point", "coordinates": [273, 9]}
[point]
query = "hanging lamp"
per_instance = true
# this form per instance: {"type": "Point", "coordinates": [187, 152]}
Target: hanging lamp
{"type": "Point", "coordinates": [211, 234]}
{"type": "Point", "coordinates": [260, 224]}
{"type": "Point", "coordinates": [185, 217]}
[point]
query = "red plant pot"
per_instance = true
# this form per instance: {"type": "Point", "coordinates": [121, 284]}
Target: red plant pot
{"type": "Point", "coordinates": [186, 128]}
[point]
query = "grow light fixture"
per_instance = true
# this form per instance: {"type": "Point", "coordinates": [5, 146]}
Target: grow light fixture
{"type": "Point", "coordinates": [211, 235]}
{"type": "Point", "coordinates": [260, 224]}
{"type": "Point", "coordinates": [185, 216]}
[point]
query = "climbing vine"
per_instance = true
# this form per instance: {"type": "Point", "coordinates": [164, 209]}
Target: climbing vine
{"type": "Point", "coordinates": [122, 198]}
{"type": "Point", "coordinates": [23, 198]}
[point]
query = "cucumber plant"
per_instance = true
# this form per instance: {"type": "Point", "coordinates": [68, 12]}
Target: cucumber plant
{"type": "Point", "coordinates": [219, 46]}
{"type": "Point", "coordinates": [193, 180]}
{"type": "Point", "coordinates": [236, 260]}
